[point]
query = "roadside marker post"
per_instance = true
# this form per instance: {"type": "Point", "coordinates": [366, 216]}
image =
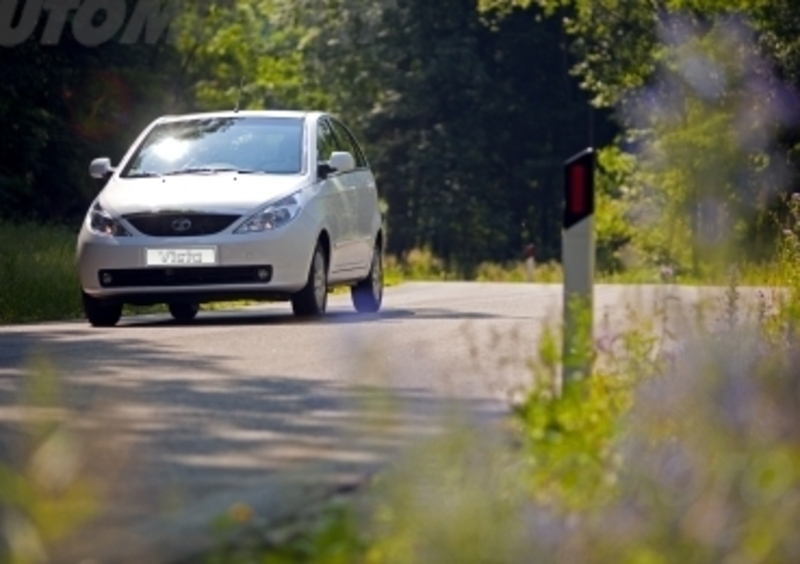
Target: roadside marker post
{"type": "Point", "coordinates": [577, 259]}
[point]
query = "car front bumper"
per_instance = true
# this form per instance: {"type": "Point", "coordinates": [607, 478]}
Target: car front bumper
{"type": "Point", "coordinates": [116, 267]}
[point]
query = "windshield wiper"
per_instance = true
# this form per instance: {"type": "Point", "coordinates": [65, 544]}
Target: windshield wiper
{"type": "Point", "coordinates": [211, 170]}
{"type": "Point", "coordinates": [192, 170]}
{"type": "Point", "coordinates": [142, 174]}
{"type": "Point", "coordinates": [248, 171]}
{"type": "Point", "coordinates": [198, 170]}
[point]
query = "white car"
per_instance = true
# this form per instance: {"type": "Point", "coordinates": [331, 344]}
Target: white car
{"type": "Point", "coordinates": [262, 205]}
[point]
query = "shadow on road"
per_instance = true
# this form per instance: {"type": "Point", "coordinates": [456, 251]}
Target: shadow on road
{"type": "Point", "coordinates": [171, 433]}
{"type": "Point", "coordinates": [257, 317]}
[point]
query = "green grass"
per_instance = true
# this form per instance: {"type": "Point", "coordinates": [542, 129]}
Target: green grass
{"type": "Point", "coordinates": [40, 282]}
{"type": "Point", "coordinates": [37, 273]}
{"type": "Point", "coordinates": [422, 265]}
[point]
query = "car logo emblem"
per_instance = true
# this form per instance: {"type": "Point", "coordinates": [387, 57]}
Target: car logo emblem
{"type": "Point", "coordinates": [181, 225]}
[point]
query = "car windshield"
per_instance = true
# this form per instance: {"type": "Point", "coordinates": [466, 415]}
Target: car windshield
{"type": "Point", "coordinates": [208, 145]}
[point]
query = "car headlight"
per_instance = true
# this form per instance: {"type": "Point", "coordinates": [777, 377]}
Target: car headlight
{"type": "Point", "coordinates": [273, 216]}
{"type": "Point", "coordinates": [100, 222]}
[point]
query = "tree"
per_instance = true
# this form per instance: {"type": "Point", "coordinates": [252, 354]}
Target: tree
{"type": "Point", "coordinates": [697, 85]}
{"type": "Point", "coordinates": [467, 136]}
{"type": "Point", "coordinates": [61, 106]}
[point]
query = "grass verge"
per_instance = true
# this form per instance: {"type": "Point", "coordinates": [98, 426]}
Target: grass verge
{"type": "Point", "coordinates": [40, 281]}
{"type": "Point", "coordinates": [37, 272]}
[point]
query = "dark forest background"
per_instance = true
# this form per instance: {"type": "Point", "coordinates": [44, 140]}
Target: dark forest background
{"type": "Point", "coordinates": [466, 112]}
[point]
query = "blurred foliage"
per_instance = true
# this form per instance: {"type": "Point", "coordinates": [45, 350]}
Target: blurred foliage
{"type": "Point", "coordinates": [613, 69]}
{"type": "Point", "coordinates": [679, 448]}
{"type": "Point", "coordinates": [706, 94]}
{"type": "Point", "coordinates": [326, 534]}
{"type": "Point", "coordinates": [45, 494]}
{"type": "Point", "coordinates": [614, 195]}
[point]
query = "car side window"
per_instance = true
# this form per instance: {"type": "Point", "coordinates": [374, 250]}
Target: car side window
{"type": "Point", "coordinates": [326, 142]}
{"type": "Point", "coordinates": [348, 143]}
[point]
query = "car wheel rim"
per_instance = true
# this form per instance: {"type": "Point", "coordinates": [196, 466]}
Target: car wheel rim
{"type": "Point", "coordinates": [319, 280]}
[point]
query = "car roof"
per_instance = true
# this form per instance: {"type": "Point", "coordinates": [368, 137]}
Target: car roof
{"type": "Point", "coordinates": [297, 114]}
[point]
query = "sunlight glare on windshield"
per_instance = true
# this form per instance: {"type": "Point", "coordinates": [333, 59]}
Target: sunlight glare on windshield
{"type": "Point", "coordinates": [171, 149]}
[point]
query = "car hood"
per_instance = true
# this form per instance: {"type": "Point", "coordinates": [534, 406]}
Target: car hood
{"type": "Point", "coordinates": [209, 192]}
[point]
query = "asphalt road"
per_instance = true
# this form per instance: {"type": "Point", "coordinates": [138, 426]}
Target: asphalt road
{"type": "Point", "coordinates": [176, 423]}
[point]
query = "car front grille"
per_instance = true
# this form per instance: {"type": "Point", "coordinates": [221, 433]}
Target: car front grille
{"type": "Point", "coordinates": [188, 276]}
{"type": "Point", "coordinates": [180, 224]}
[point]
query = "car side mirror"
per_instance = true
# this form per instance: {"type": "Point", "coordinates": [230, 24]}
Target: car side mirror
{"type": "Point", "coordinates": [101, 168]}
{"type": "Point", "coordinates": [342, 161]}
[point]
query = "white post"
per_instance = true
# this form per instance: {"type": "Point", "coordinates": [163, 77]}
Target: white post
{"type": "Point", "coordinates": [577, 259]}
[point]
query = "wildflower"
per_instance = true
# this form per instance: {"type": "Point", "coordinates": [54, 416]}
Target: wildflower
{"type": "Point", "coordinates": [241, 513]}
{"type": "Point", "coordinates": [605, 343]}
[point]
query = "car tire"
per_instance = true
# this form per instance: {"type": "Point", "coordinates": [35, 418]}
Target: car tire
{"type": "Point", "coordinates": [367, 295]}
{"type": "Point", "coordinates": [183, 312]}
{"type": "Point", "coordinates": [101, 313]}
{"type": "Point", "coordinates": [312, 300]}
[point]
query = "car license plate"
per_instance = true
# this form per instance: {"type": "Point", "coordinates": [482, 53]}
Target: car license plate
{"type": "Point", "coordinates": [181, 257]}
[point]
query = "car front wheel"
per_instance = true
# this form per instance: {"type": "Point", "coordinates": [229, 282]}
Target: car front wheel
{"type": "Point", "coordinates": [312, 300]}
{"type": "Point", "coordinates": [101, 313]}
{"type": "Point", "coordinates": [367, 295]}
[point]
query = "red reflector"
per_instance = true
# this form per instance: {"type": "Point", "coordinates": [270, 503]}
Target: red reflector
{"type": "Point", "coordinates": [577, 189]}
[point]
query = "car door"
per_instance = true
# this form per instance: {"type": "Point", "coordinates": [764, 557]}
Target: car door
{"type": "Point", "coordinates": [339, 206]}
{"type": "Point", "coordinates": [363, 193]}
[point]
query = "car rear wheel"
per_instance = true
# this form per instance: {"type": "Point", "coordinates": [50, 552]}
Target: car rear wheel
{"type": "Point", "coordinates": [183, 311]}
{"type": "Point", "coordinates": [101, 313]}
{"type": "Point", "coordinates": [312, 300]}
{"type": "Point", "coordinates": [367, 295]}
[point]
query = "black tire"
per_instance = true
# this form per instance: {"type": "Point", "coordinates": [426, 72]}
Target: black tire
{"type": "Point", "coordinates": [312, 300]}
{"type": "Point", "coordinates": [183, 311]}
{"type": "Point", "coordinates": [367, 295]}
{"type": "Point", "coordinates": [101, 313]}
